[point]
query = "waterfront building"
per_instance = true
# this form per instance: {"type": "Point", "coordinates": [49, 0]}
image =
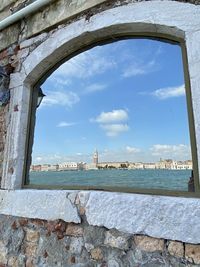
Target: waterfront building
{"type": "Point", "coordinates": [139, 165]}
{"type": "Point", "coordinates": [35, 168]}
{"type": "Point", "coordinates": [45, 167]}
{"type": "Point", "coordinates": [149, 166]}
{"type": "Point", "coordinates": [68, 166]}
{"type": "Point", "coordinates": [184, 165]}
{"type": "Point", "coordinates": [131, 166]}
{"type": "Point", "coordinates": [167, 164]}
{"type": "Point", "coordinates": [53, 167]}
{"type": "Point", "coordinates": [91, 166]}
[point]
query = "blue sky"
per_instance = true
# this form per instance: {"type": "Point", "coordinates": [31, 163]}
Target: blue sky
{"type": "Point", "coordinates": [125, 99]}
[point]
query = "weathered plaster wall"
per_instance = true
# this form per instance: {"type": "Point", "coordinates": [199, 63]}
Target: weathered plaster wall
{"type": "Point", "coordinates": [97, 229]}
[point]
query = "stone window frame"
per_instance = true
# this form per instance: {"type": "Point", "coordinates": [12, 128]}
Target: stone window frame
{"type": "Point", "coordinates": [131, 20]}
{"type": "Point", "coordinates": [159, 215]}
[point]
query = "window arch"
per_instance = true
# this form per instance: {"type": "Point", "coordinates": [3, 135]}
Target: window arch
{"type": "Point", "coordinates": [113, 120]}
{"type": "Point", "coordinates": [87, 34]}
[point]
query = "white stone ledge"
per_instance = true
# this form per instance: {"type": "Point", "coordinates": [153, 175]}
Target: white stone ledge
{"type": "Point", "coordinates": [174, 218]}
{"type": "Point", "coordinates": [41, 204]}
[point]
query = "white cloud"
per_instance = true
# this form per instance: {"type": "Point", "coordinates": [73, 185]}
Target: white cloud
{"type": "Point", "coordinates": [95, 87]}
{"type": "Point", "coordinates": [143, 68]}
{"type": "Point", "coordinates": [67, 99]}
{"type": "Point", "coordinates": [44, 159]}
{"type": "Point", "coordinates": [38, 159]}
{"type": "Point", "coordinates": [130, 149]}
{"type": "Point", "coordinates": [59, 81]}
{"type": "Point", "coordinates": [85, 65]}
{"type": "Point", "coordinates": [113, 130]}
{"type": "Point", "coordinates": [169, 92]}
{"type": "Point", "coordinates": [179, 151]}
{"type": "Point", "coordinates": [65, 124]}
{"type": "Point", "coordinates": [127, 153]}
{"type": "Point", "coordinates": [59, 158]}
{"type": "Point", "coordinates": [116, 115]}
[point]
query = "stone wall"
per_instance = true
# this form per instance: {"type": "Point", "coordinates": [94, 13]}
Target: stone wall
{"type": "Point", "coordinates": [32, 242]}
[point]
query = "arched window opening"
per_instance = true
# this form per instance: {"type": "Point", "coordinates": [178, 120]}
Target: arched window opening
{"type": "Point", "coordinates": [114, 117]}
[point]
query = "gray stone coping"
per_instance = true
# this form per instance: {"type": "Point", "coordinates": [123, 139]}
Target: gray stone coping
{"type": "Point", "coordinates": [174, 218]}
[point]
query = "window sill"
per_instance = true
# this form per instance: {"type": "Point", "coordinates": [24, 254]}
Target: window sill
{"type": "Point", "coordinates": [157, 216]}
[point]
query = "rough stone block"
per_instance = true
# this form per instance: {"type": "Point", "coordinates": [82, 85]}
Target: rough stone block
{"type": "Point", "coordinates": [32, 236]}
{"type": "Point", "coordinates": [29, 42]}
{"type": "Point", "coordinates": [149, 244]}
{"type": "Point", "coordinates": [5, 3]}
{"type": "Point", "coordinates": [43, 204]}
{"type": "Point", "coordinates": [192, 253]}
{"type": "Point", "coordinates": [96, 254]}
{"type": "Point", "coordinates": [9, 36]}
{"type": "Point", "coordinates": [76, 245]}
{"type": "Point", "coordinates": [117, 240]}
{"type": "Point", "coordinates": [3, 253]}
{"type": "Point", "coordinates": [74, 230]}
{"type": "Point", "coordinates": [13, 261]}
{"type": "Point", "coordinates": [30, 249]}
{"type": "Point", "coordinates": [176, 249]}
{"type": "Point", "coordinates": [93, 236]}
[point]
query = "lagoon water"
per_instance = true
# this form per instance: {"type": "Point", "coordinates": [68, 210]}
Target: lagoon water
{"type": "Point", "coordinates": [151, 179]}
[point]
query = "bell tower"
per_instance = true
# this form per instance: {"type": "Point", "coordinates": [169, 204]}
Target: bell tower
{"type": "Point", "coordinates": [95, 157]}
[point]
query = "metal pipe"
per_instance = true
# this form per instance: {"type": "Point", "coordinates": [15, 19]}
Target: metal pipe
{"type": "Point", "coordinates": [23, 13]}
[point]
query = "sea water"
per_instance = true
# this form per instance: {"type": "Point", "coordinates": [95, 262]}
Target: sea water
{"type": "Point", "coordinates": [149, 179]}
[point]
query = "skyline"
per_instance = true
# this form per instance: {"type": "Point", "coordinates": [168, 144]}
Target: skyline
{"type": "Point", "coordinates": [126, 98]}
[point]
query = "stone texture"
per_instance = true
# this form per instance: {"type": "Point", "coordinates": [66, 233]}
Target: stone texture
{"type": "Point", "coordinates": [76, 245]}
{"type": "Point", "coordinates": [3, 253]}
{"type": "Point", "coordinates": [158, 216]}
{"type": "Point", "coordinates": [192, 253]}
{"type": "Point", "coordinates": [5, 3]}
{"type": "Point", "coordinates": [74, 230]}
{"type": "Point", "coordinates": [9, 36]}
{"type": "Point", "coordinates": [96, 254]}
{"type": "Point", "coordinates": [93, 236]}
{"type": "Point", "coordinates": [149, 244]}
{"type": "Point", "coordinates": [117, 240]}
{"type": "Point", "coordinates": [49, 205]}
{"type": "Point", "coordinates": [32, 235]}
{"type": "Point", "coordinates": [51, 251]}
{"type": "Point", "coordinates": [58, 12]}
{"type": "Point", "coordinates": [176, 249]}
{"type": "Point", "coordinates": [30, 249]}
